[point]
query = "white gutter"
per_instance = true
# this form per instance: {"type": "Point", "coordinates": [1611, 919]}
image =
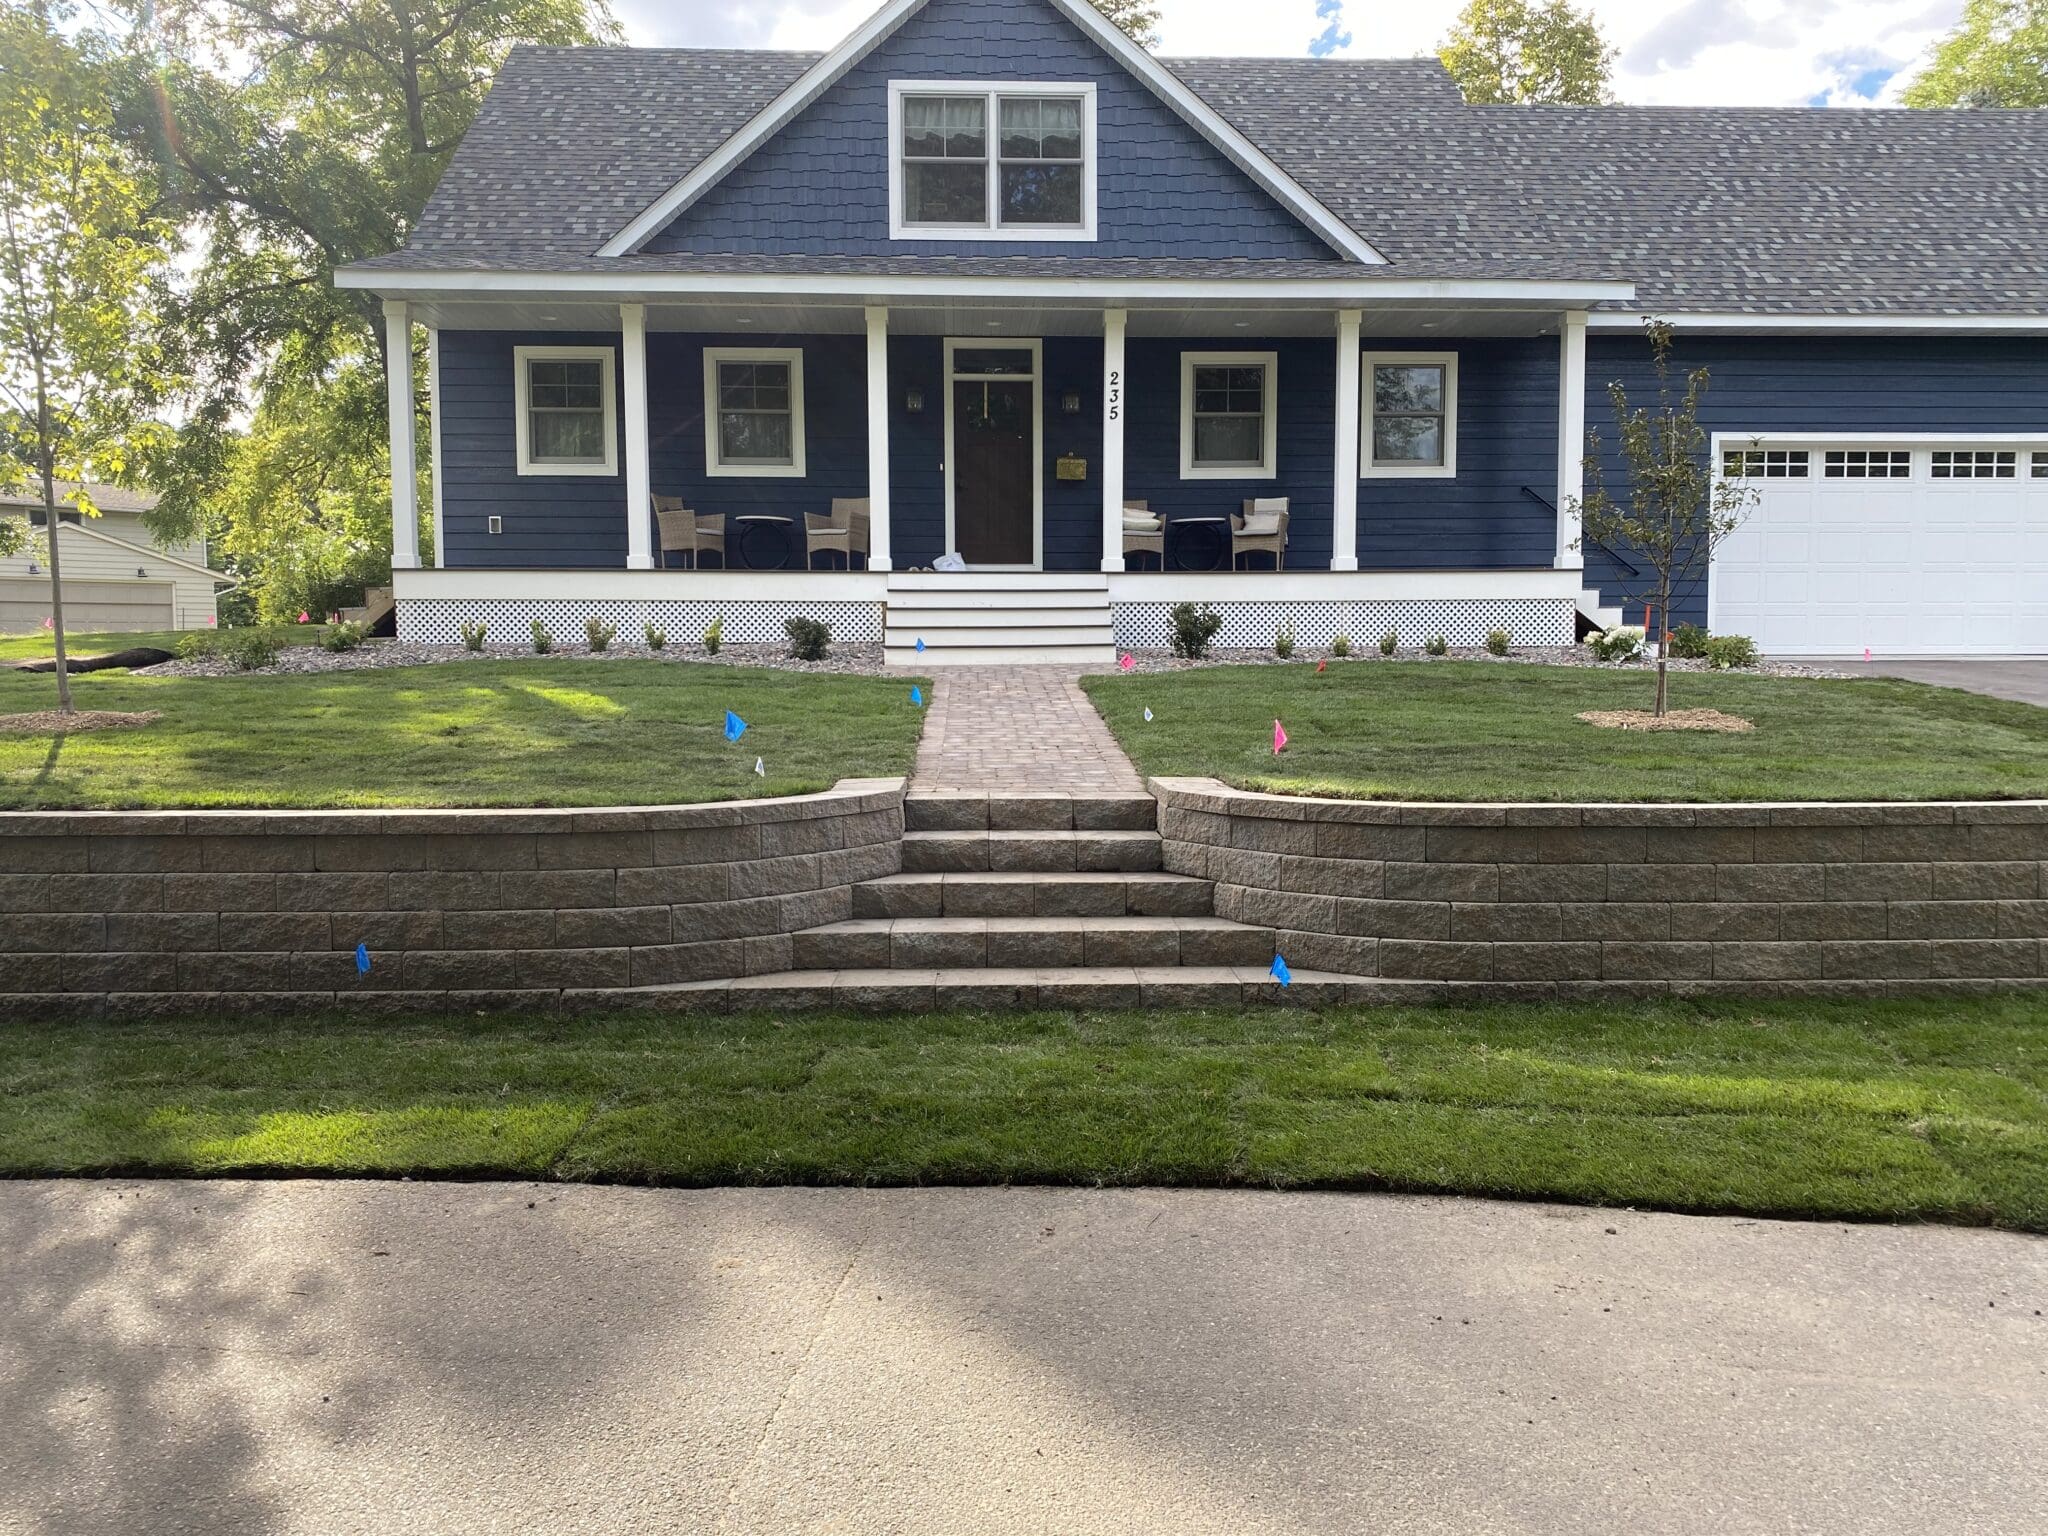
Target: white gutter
{"type": "Point", "coordinates": [1610, 321]}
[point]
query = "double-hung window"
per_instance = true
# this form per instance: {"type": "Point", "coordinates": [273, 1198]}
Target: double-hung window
{"type": "Point", "coordinates": [754, 411]}
{"type": "Point", "coordinates": [1229, 426]}
{"type": "Point", "coordinates": [567, 421]}
{"type": "Point", "coordinates": [1411, 415]}
{"type": "Point", "coordinates": [972, 162]}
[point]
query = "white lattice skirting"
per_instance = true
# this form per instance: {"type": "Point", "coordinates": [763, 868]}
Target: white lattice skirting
{"type": "Point", "coordinates": [509, 621]}
{"type": "Point", "coordinates": [1463, 622]}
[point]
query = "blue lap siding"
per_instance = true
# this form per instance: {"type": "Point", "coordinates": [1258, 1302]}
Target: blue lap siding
{"type": "Point", "coordinates": [1819, 384]}
{"type": "Point", "coordinates": [821, 185]}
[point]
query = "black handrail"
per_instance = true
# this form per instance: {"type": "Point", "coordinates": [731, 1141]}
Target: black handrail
{"type": "Point", "coordinates": [1550, 506]}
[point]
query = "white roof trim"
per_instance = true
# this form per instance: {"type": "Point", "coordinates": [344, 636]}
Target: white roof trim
{"type": "Point", "coordinates": [1869, 324]}
{"type": "Point", "coordinates": [144, 552]}
{"type": "Point", "coordinates": [627, 285]}
{"type": "Point", "coordinates": [1163, 83]}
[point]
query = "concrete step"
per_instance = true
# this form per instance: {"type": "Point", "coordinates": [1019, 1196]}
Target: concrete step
{"type": "Point", "coordinates": [1006, 987]}
{"type": "Point", "coordinates": [953, 619]}
{"type": "Point", "coordinates": [941, 852]}
{"type": "Point", "coordinates": [1029, 943]}
{"type": "Point", "coordinates": [999, 655]}
{"type": "Point", "coordinates": [988, 893]}
{"type": "Point", "coordinates": [998, 630]}
{"type": "Point", "coordinates": [911, 584]}
{"type": "Point", "coordinates": [961, 811]}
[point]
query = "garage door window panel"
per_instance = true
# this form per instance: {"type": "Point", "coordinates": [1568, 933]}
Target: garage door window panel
{"type": "Point", "coordinates": [1976, 464]}
{"type": "Point", "coordinates": [1766, 464]}
{"type": "Point", "coordinates": [1868, 464]}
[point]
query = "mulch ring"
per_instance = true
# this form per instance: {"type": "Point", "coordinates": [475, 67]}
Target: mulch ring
{"type": "Point", "coordinates": [1674, 720]}
{"type": "Point", "coordinates": [48, 720]}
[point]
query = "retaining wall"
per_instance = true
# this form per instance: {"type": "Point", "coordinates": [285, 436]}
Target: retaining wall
{"type": "Point", "coordinates": [190, 909]}
{"type": "Point", "coordinates": [1751, 898]}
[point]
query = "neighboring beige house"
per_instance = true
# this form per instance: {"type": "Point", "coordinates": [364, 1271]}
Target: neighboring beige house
{"type": "Point", "coordinates": [116, 575]}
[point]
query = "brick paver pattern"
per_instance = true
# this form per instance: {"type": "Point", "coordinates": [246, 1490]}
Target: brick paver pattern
{"type": "Point", "coordinates": [1018, 729]}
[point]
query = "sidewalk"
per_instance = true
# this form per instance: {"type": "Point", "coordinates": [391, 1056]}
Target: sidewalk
{"type": "Point", "coordinates": [1018, 730]}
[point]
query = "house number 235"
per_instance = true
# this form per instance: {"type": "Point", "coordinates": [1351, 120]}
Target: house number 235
{"type": "Point", "coordinates": [1116, 395]}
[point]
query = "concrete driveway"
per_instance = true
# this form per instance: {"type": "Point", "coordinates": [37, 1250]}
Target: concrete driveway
{"type": "Point", "coordinates": [2025, 680]}
{"type": "Point", "coordinates": [378, 1357]}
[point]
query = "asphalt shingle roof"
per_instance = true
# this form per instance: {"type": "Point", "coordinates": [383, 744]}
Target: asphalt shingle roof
{"type": "Point", "coordinates": [1704, 209]}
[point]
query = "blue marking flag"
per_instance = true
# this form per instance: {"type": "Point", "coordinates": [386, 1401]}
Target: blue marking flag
{"type": "Point", "coordinates": [917, 695]}
{"type": "Point", "coordinates": [362, 959]}
{"type": "Point", "coordinates": [920, 645]}
{"type": "Point", "coordinates": [1280, 972]}
{"type": "Point", "coordinates": [735, 727]}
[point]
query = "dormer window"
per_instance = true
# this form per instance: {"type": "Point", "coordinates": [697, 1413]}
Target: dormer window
{"type": "Point", "coordinates": [971, 162]}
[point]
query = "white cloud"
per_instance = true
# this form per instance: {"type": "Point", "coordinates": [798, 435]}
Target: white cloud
{"type": "Point", "coordinates": [1692, 52]}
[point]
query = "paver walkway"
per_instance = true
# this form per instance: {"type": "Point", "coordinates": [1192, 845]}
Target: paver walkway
{"type": "Point", "coordinates": [317, 1357]}
{"type": "Point", "coordinates": [1018, 729]}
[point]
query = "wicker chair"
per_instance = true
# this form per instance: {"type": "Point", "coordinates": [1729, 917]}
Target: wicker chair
{"type": "Point", "coordinates": [844, 529]}
{"type": "Point", "coordinates": [1273, 542]}
{"type": "Point", "coordinates": [1153, 543]}
{"type": "Point", "coordinates": [686, 532]}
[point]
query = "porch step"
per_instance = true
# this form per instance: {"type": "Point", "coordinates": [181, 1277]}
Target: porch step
{"type": "Point", "coordinates": [1046, 851]}
{"type": "Point", "coordinates": [911, 943]}
{"type": "Point", "coordinates": [965, 811]}
{"type": "Point", "coordinates": [1599, 613]}
{"type": "Point", "coordinates": [995, 618]}
{"type": "Point", "coordinates": [1036, 893]}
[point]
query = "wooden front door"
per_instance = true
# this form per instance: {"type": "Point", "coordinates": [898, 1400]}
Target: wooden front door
{"type": "Point", "coordinates": [994, 487]}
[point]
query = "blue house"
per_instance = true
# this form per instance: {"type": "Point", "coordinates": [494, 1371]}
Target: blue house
{"type": "Point", "coordinates": [989, 329]}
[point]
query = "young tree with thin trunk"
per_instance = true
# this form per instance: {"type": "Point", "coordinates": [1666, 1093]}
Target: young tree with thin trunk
{"type": "Point", "coordinates": [80, 248]}
{"type": "Point", "coordinates": [1679, 507]}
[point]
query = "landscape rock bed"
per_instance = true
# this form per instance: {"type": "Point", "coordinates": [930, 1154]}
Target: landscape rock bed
{"type": "Point", "coordinates": [849, 660]}
{"type": "Point", "coordinates": [1535, 656]}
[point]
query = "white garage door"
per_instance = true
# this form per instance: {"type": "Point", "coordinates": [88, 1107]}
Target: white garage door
{"type": "Point", "coordinates": [1923, 547]}
{"type": "Point", "coordinates": [88, 605]}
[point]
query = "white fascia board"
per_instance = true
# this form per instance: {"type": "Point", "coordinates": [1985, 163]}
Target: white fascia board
{"type": "Point", "coordinates": [1738, 440]}
{"type": "Point", "coordinates": [855, 288]}
{"type": "Point", "coordinates": [1162, 82]}
{"type": "Point", "coordinates": [1872, 325]}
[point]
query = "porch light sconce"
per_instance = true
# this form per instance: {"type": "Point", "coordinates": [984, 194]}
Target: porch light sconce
{"type": "Point", "coordinates": [34, 569]}
{"type": "Point", "coordinates": [1070, 402]}
{"type": "Point", "coordinates": [140, 571]}
{"type": "Point", "coordinates": [913, 399]}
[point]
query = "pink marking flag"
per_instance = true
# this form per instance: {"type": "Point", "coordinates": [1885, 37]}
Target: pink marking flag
{"type": "Point", "coordinates": [1279, 738]}
{"type": "Point", "coordinates": [304, 617]}
{"type": "Point", "coordinates": [1322, 666]}
{"type": "Point", "coordinates": [1127, 661]}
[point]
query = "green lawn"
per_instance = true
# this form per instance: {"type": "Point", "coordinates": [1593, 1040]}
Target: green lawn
{"type": "Point", "coordinates": [1896, 1110]}
{"type": "Point", "coordinates": [1479, 731]}
{"type": "Point", "coordinates": [42, 643]}
{"type": "Point", "coordinates": [541, 732]}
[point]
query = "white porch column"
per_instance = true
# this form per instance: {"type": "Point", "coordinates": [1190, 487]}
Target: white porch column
{"type": "Point", "coordinates": [639, 478]}
{"type": "Point", "coordinates": [1114, 322]}
{"type": "Point", "coordinates": [1571, 439]}
{"type": "Point", "coordinates": [1344, 472]}
{"type": "Point", "coordinates": [878, 439]}
{"type": "Point", "coordinates": [405, 511]}
{"type": "Point", "coordinates": [434, 474]}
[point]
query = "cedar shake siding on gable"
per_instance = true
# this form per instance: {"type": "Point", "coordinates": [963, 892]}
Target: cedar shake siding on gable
{"type": "Point", "coordinates": [821, 185]}
{"type": "Point", "coordinates": [1816, 384]}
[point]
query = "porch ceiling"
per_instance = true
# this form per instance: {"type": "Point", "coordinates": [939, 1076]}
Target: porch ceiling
{"type": "Point", "coordinates": [797, 316]}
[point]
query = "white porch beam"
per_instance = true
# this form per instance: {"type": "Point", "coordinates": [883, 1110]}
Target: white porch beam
{"type": "Point", "coordinates": [1571, 439]}
{"type": "Point", "coordinates": [405, 512]}
{"type": "Point", "coordinates": [1114, 323]}
{"type": "Point", "coordinates": [1344, 470]}
{"type": "Point", "coordinates": [878, 438]}
{"type": "Point", "coordinates": [639, 477]}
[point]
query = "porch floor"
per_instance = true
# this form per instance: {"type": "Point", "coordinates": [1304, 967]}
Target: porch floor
{"type": "Point", "coordinates": [1019, 730]}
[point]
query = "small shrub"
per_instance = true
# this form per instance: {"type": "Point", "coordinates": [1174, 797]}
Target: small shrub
{"type": "Point", "coordinates": [343, 637]}
{"type": "Point", "coordinates": [1688, 642]}
{"type": "Point", "coordinates": [1283, 641]}
{"type": "Point", "coordinates": [1194, 627]}
{"type": "Point", "coordinates": [473, 635]}
{"type": "Point", "coordinates": [809, 639]}
{"type": "Point", "coordinates": [599, 633]}
{"type": "Point", "coordinates": [1437, 645]}
{"type": "Point", "coordinates": [1389, 643]}
{"type": "Point", "coordinates": [1725, 651]}
{"type": "Point", "coordinates": [714, 636]}
{"type": "Point", "coordinates": [199, 645]}
{"type": "Point", "coordinates": [543, 642]}
{"type": "Point", "coordinates": [1341, 647]}
{"type": "Point", "coordinates": [1497, 643]}
{"type": "Point", "coordinates": [252, 648]}
{"type": "Point", "coordinates": [1620, 643]}
{"type": "Point", "coordinates": [657, 639]}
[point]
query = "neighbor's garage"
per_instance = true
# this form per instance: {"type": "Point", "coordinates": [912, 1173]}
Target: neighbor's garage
{"type": "Point", "coordinates": [88, 605]}
{"type": "Point", "coordinates": [1918, 547]}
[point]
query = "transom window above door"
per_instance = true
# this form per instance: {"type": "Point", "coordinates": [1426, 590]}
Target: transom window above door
{"type": "Point", "coordinates": [970, 162]}
{"type": "Point", "coordinates": [754, 411]}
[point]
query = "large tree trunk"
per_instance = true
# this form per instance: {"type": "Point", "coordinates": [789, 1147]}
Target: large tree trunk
{"type": "Point", "coordinates": [44, 452]}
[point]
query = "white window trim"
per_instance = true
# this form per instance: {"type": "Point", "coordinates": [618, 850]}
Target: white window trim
{"type": "Point", "coordinates": [1268, 466]}
{"type": "Point", "coordinates": [713, 464]}
{"type": "Point", "coordinates": [523, 419]}
{"type": "Point", "coordinates": [992, 90]}
{"type": "Point", "coordinates": [1369, 467]}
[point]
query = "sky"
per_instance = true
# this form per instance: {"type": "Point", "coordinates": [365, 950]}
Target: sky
{"type": "Point", "coordinates": [1761, 53]}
